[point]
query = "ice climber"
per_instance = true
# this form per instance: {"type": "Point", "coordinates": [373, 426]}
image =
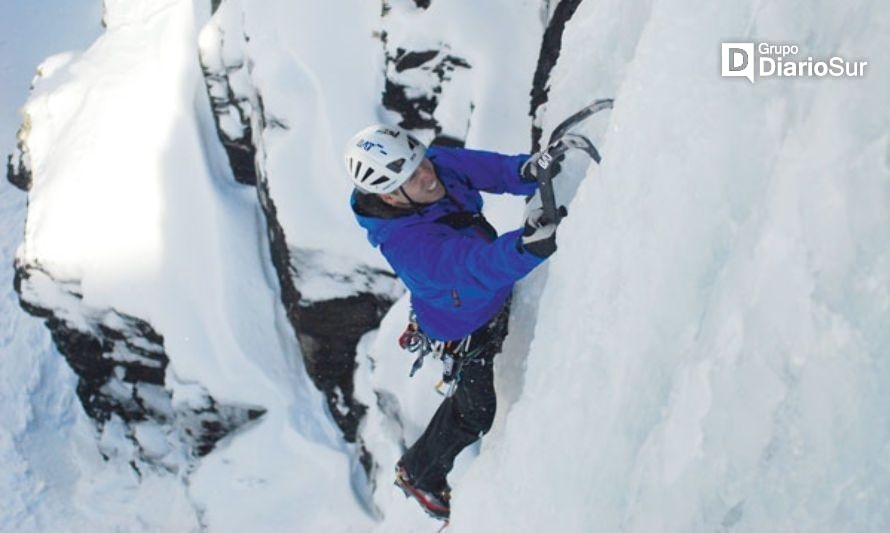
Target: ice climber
{"type": "Point", "coordinates": [421, 206]}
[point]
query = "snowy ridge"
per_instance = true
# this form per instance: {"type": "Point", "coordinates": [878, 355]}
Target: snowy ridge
{"type": "Point", "coordinates": [186, 253]}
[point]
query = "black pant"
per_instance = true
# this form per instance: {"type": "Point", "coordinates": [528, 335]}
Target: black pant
{"type": "Point", "coordinates": [463, 417]}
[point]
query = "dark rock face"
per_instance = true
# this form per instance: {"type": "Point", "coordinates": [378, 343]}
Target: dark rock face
{"type": "Point", "coordinates": [121, 365]}
{"type": "Point", "coordinates": [416, 106]}
{"type": "Point", "coordinates": [330, 327]}
{"type": "Point", "coordinates": [17, 172]}
{"type": "Point", "coordinates": [233, 124]}
{"type": "Point", "coordinates": [386, 6]}
{"type": "Point", "coordinates": [417, 81]}
{"type": "Point", "coordinates": [551, 45]}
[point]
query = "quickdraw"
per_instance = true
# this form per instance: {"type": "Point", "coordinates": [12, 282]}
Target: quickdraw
{"type": "Point", "coordinates": [453, 354]}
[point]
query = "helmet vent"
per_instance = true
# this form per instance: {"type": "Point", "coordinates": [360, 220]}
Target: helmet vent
{"type": "Point", "coordinates": [367, 174]}
{"type": "Point", "coordinates": [358, 168]}
{"type": "Point", "coordinates": [396, 166]}
{"type": "Point", "coordinates": [381, 157]}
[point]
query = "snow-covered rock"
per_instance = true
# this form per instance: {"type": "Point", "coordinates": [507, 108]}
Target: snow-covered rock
{"type": "Point", "coordinates": [331, 299]}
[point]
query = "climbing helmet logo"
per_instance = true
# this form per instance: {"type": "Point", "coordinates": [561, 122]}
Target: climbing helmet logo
{"type": "Point", "coordinates": [370, 145]}
{"type": "Point", "coordinates": [387, 131]}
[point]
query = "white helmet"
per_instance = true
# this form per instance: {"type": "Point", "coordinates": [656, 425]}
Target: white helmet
{"type": "Point", "coordinates": [381, 158]}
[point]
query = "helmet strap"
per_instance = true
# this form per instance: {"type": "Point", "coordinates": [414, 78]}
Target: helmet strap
{"type": "Point", "coordinates": [414, 204]}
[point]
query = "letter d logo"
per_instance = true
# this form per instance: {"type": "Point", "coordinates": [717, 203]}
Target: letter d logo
{"type": "Point", "coordinates": [737, 60]}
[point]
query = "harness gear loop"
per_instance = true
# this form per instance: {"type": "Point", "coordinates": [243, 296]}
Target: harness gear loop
{"type": "Point", "coordinates": [453, 354]}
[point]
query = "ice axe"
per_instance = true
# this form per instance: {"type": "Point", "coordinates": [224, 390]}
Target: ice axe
{"type": "Point", "coordinates": [561, 141]}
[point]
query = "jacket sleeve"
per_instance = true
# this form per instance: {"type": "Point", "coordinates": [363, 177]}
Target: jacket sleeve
{"type": "Point", "coordinates": [436, 255]}
{"type": "Point", "coordinates": [490, 171]}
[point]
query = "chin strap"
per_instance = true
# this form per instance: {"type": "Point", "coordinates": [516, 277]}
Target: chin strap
{"type": "Point", "coordinates": [418, 207]}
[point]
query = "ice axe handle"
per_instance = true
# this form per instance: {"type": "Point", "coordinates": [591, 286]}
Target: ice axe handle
{"type": "Point", "coordinates": [552, 213]}
{"type": "Point", "coordinates": [545, 186]}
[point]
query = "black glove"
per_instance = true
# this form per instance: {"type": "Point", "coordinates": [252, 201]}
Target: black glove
{"type": "Point", "coordinates": [539, 238]}
{"type": "Point", "coordinates": [543, 159]}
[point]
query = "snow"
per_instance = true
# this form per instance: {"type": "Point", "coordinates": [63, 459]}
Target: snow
{"type": "Point", "coordinates": [52, 477]}
{"type": "Point", "coordinates": [324, 275]}
{"type": "Point", "coordinates": [300, 52]}
{"type": "Point", "coordinates": [706, 351]}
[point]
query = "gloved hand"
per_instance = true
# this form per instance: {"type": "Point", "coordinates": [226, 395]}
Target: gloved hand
{"type": "Point", "coordinates": [539, 237]}
{"type": "Point", "coordinates": [550, 157]}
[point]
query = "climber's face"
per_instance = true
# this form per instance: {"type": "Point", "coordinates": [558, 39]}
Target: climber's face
{"type": "Point", "coordinates": [423, 187]}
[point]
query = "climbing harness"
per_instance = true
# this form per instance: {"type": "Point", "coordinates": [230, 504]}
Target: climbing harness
{"type": "Point", "coordinates": [453, 354]}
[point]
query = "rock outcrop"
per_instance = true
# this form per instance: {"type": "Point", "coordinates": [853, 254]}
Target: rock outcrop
{"type": "Point", "coordinates": [121, 367]}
